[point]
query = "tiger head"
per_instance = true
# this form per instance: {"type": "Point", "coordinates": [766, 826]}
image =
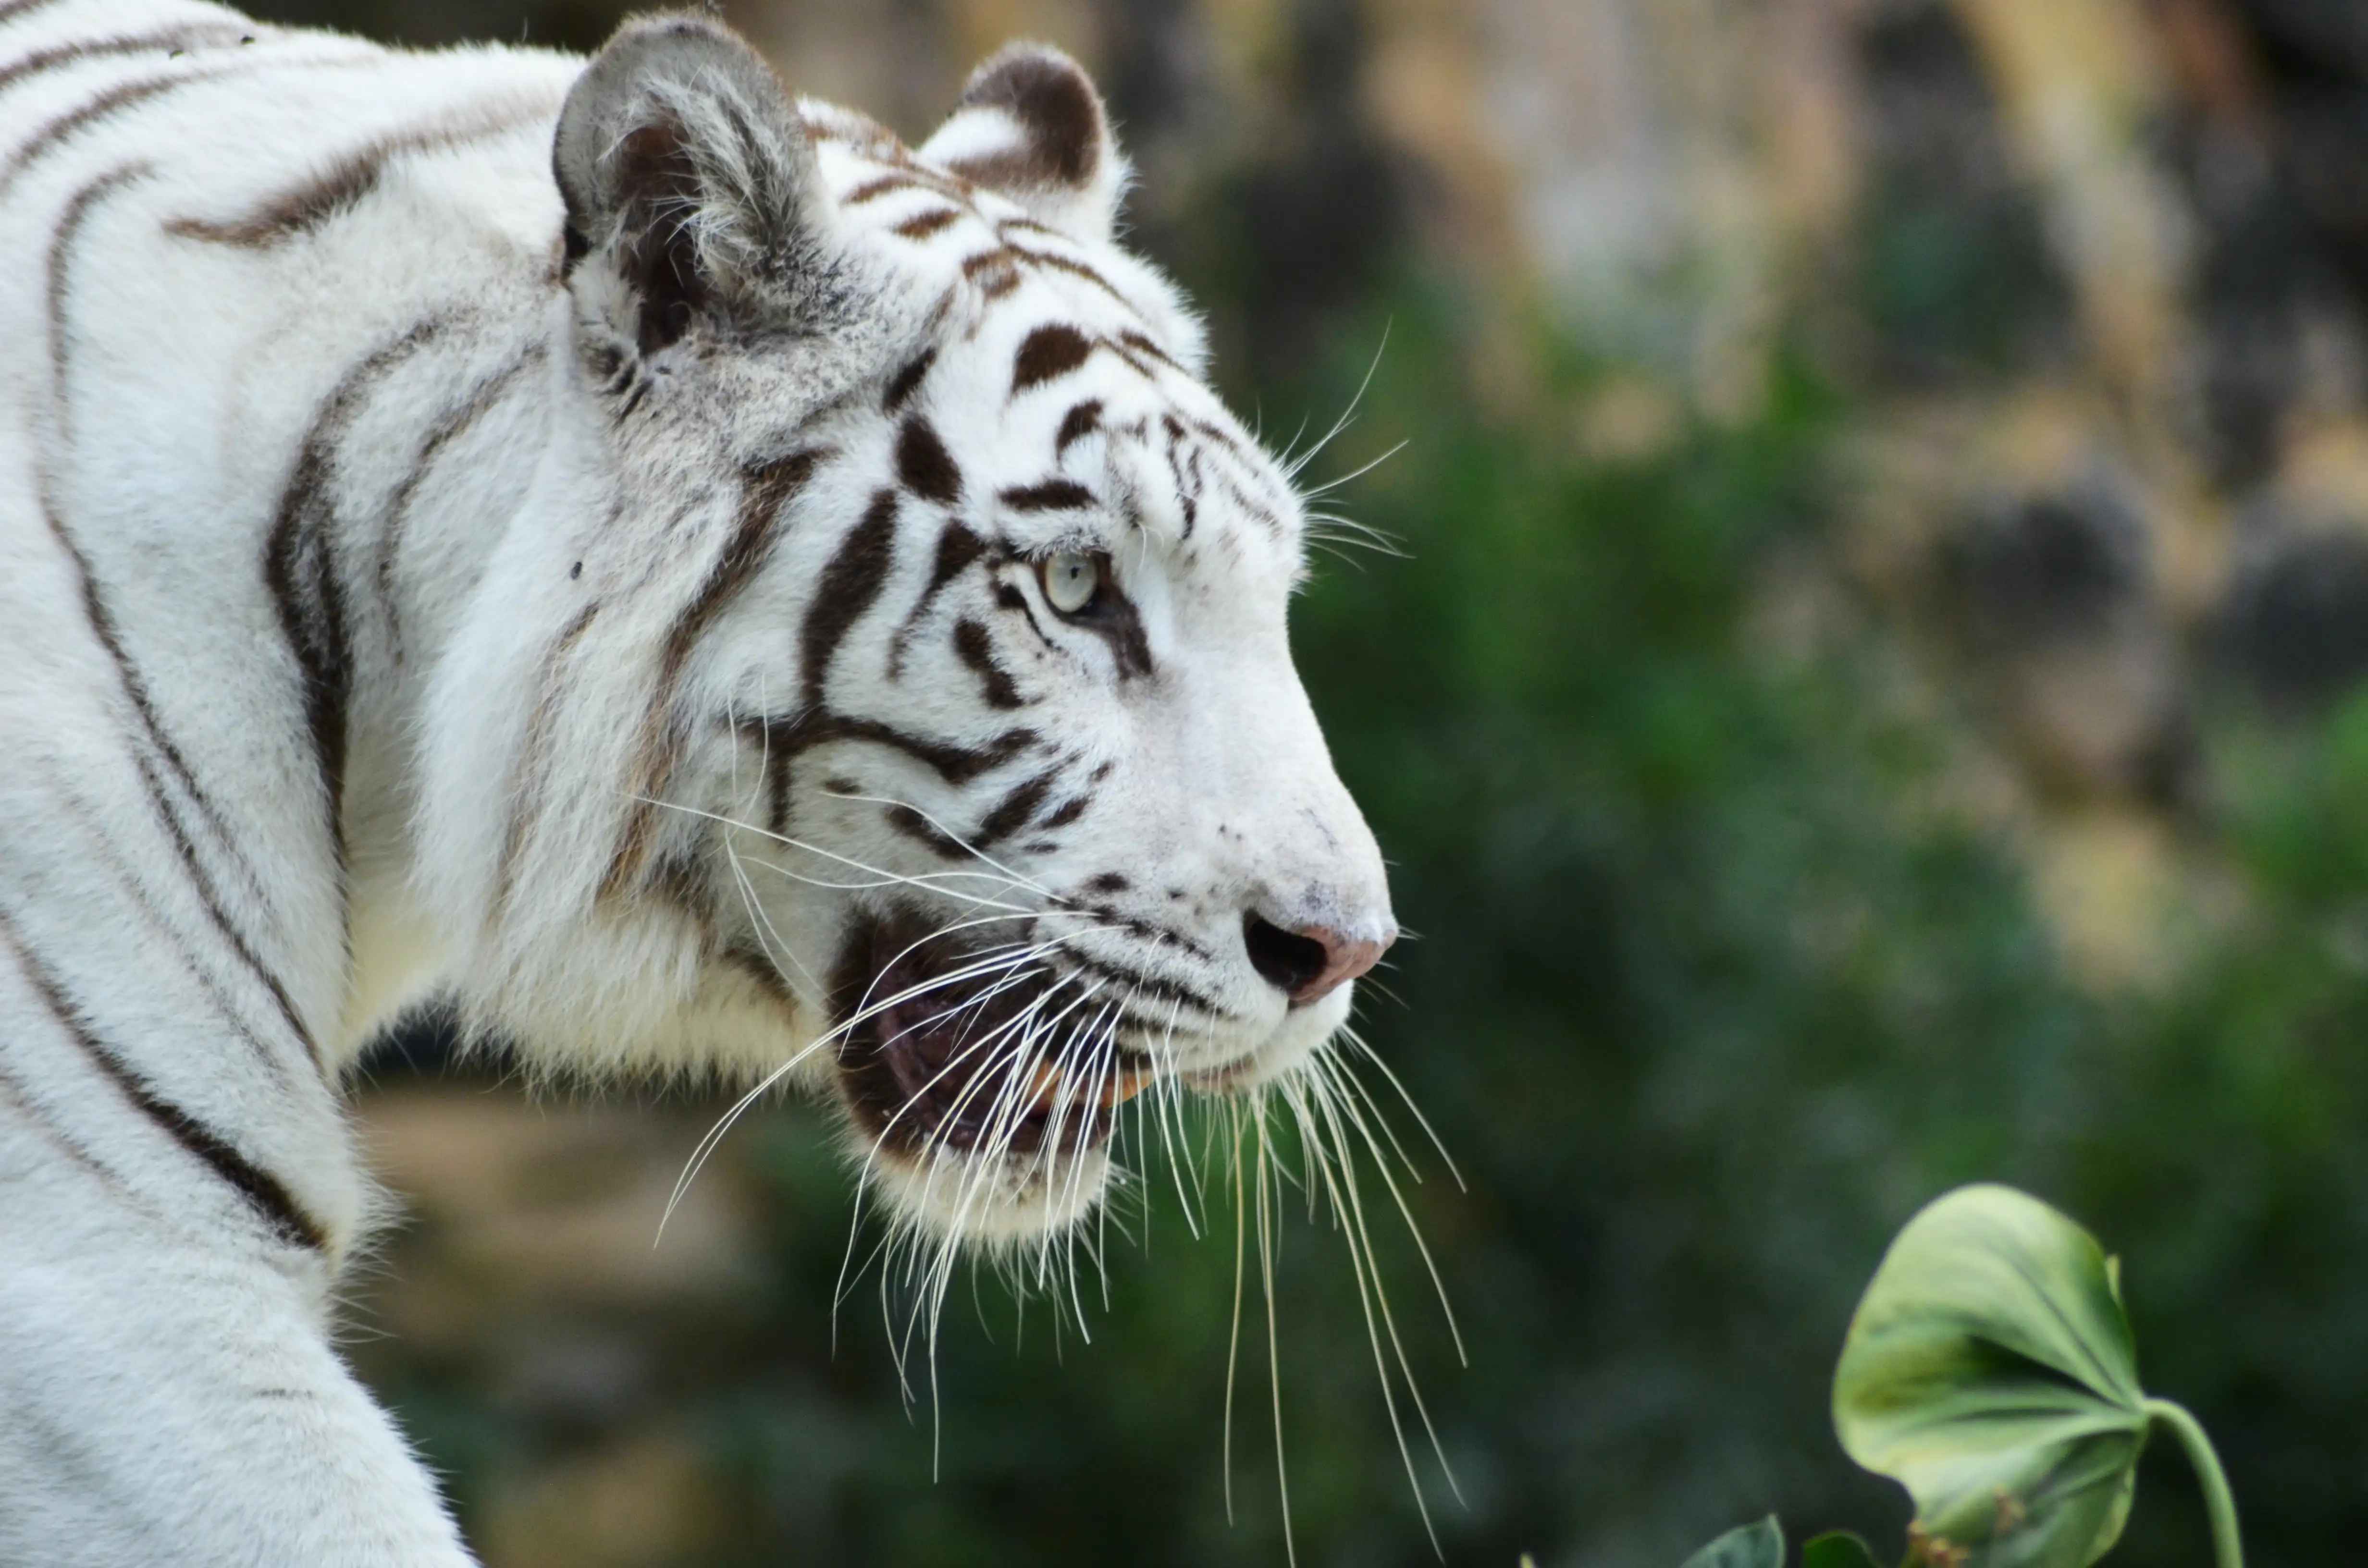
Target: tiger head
{"type": "Point", "coordinates": [887, 680]}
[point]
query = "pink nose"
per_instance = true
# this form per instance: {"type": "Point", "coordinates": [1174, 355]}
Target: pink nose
{"type": "Point", "coordinates": [1309, 963]}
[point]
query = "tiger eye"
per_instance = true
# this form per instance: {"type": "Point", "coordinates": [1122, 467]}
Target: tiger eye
{"type": "Point", "coordinates": [1072, 579]}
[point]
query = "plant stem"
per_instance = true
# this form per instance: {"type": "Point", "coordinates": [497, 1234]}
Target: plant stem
{"type": "Point", "coordinates": [2218, 1501]}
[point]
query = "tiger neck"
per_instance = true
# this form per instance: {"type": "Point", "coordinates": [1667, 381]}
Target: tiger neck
{"type": "Point", "coordinates": [469, 395]}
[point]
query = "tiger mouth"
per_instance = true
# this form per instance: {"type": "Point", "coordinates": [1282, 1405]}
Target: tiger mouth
{"type": "Point", "coordinates": [947, 1048]}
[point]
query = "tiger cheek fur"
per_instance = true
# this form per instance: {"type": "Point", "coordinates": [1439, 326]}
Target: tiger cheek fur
{"type": "Point", "coordinates": [695, 584]}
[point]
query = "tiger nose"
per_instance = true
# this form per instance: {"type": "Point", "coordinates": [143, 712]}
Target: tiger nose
{"type": "Point", "coordinates": [1307, 963]}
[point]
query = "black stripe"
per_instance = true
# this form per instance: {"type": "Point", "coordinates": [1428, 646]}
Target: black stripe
{"type": "Point", "coordinates": [482, 399]}
{"type": "Point", "coordinates": [17, 10]}
{"type": "Point", "coordinates": [15, 1091]}
{"type": "Point", "coordinates": [170, 41]}
{"type": "Point", "coordinates": [922, 225]}
{"type": "Point", "coordinates": [526, 780]}
{"type": "Point", "coordinates": [1048, 352]}
{"type": "Point", "coordinates": [131, 94]}
{"type": "Point", "coordinates": [1015, 809]}
{"type": "Point", "coordinates": [1152, 984]}
{"type": "Point", "coordinates": [848, 587]}
{"type": "Point", "coordinates": [954, 763]}
{"type": "Point", "coordinates": [300, 569]}
{"type": "Point", "coordinates": [907, 380]}
{"type": "Point", "coordinates": [957, 548]}
{"type": "Point", "coordinates": [128, 876]}
{"type": "Point", "coordinates": [60, 275]}
{"type": "Point", "coordinates": [345, 182]}
{"type": "Point", "coordinates": [1071, 810]}
{"type": "Point", "coordinates": [923, 464]}
{"type": "Point", "coordinates": [135, 688]}
{"type": "Point", "coordinates": [1051, 496]}
{"type": "Point", "coordinates": [976, 648]}
{"type": "Point", "coordinates": [765, 490]}
{"type": "Point", "coordinates": [1141, 343]}
{"type": "Point", "coordinates": [263, 1190]}
{"type": "Point", "coordinates": [1076, 425]}
{"type": "Point", "coordinates": [920, 829]}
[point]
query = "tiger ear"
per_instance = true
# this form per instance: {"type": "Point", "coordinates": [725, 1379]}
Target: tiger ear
{"type": "Point", "coordinates": [688, 179]}
{"type": "Point", "coordinates": [1031, 127]}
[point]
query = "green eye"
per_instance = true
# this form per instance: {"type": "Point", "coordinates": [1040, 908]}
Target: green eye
{"type": "Point", "coordinates": [1072, 579]}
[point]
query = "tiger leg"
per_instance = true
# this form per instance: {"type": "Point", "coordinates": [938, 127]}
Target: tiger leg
{"type": "Point", "coordinates": [166, 1398]}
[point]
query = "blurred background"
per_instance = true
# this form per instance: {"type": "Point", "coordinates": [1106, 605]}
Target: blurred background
{"type": "Point", "coordinates": [1872, 700]}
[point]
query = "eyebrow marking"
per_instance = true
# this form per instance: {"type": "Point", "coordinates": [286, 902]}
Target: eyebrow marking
{"type": "Point", "coordinates": [1051, 496]}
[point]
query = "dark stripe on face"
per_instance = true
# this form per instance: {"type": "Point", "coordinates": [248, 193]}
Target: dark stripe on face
{"type": "Point", "coordinates": [923, 464]}
{"type": "Point", "coordinates": [1052, 495]}
{"type": "Point", "coordinates": [1074, 269]}
{"type": "Point", "coordinates": [1006, 596]}
{"type": "Point", "coordinates": [1076, 425]}
{"type": "Point", "coordinates": [262, 1191]}
{"type": "Point", "coordinates": [1013, 812]}
{"type": "Point", "coordinates": [848, 587]}
{"type": "Point", "coordinates": [1148, 984]}
{"type": "Point", "coordinates": [341, 187]}
{"type": "Point", "coordinates": [1048, 352]}
{"type": "Point", "coordinates": [975, 648]}
{"type": "Point", "coordinates": [994, 273]}
{"type": "Point", "coordinates": [482, 399]}
{"type": "Point", "coordinates": [526, 782]}
{"type": "Point", "coordinates": [1071, 810]}
{"type": "Point", "coordinates": [765, 491]}
{"type": "Point", "coordinates": [1141, 344]}
{"type": "Point", "coordinates": [299, 568]}
{"type": "Point", "coordinates": [921, 830]}
{"type": "Point", "coordinates": [954, 763]}
{"type": "Point", "coordinates": [957, 548]}
{"type": "Point", "coordinates": [1108, 882]}
{"type": "Point", "coordinates": [923, 225]}
{"type": "Point", "coordinates": [908, 380]}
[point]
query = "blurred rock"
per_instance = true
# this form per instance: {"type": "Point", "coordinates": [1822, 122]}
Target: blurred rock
{"type": "Point", "coordinates": [513, 1211]}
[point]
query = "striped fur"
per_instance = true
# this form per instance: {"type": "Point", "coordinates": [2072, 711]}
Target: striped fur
{"type": "Point", "coordinates": [576, 542]}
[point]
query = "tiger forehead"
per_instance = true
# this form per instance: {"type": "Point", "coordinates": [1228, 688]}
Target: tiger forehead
{"type": "Point", "coordinates": [1059, 339]}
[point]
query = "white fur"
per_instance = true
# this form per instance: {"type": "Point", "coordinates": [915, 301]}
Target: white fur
{"type": "Point", "coordinates": [167, 1391]}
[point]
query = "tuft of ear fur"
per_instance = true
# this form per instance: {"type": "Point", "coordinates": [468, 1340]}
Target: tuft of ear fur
{"type": "Point", "coordinates": [1031, 128]}
{"type": "Point", "coordinates": [686, 176]}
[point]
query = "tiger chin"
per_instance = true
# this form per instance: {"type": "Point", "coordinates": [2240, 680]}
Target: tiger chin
{"type": "Point", "coordinates": [665, 568]}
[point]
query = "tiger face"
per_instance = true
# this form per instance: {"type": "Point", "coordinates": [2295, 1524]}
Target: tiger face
{"type": "Point", "coordinates": [977, 750]}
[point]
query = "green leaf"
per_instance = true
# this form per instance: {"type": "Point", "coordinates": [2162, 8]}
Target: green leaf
{"type": "Point", "coordinates": [1990, 1371]}
{"type": "Point", "coordinates": [1836, 1549]}
{"type": "Point", "coordinates": [1746, 1546]}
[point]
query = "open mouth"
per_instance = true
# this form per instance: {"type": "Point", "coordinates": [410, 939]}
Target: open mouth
{"type": "Point", "coordinates": [973, 1049]}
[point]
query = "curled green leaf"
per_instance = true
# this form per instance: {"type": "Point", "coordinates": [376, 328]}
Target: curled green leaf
{"type": "Point", "coordinates": [1746, 1546]}
{"type": "Point", "coordinates": [1990, 1371]}
{"type": "Point", "coordinates": [1836, 1549]}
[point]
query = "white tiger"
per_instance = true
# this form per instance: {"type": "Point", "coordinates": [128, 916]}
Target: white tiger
{"type": "Point", "coordinates": [697, 584]}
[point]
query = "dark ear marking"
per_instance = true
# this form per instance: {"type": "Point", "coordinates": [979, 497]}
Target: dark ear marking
{"type": "Point", "coordinates": [1030, 128]}
{"type": "Point", "coordinates": [1059, 117]}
